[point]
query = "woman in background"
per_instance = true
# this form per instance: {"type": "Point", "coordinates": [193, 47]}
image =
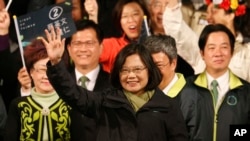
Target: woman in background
{"type": "Point", "coordinates": [237, 19]}
{"type": "Point", "coordinates": [42, 115]}
{"type": "Point", "coordinates": [127, 17]}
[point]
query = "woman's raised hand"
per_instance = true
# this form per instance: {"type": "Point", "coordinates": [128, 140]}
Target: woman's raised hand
{"type": "Point", "coordinates": [54, 44]}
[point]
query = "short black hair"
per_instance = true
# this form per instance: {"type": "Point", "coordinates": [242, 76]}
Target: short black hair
{"type": "Point", "coordinates": [130, 49]}
{"type": "Point", "coordinates": [215, 28]}
{"type": "Point", "coordinates": [87, 24]}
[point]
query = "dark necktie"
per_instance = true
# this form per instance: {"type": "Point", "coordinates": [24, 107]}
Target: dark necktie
{"type": "Point", "coordinates": [215, 92]}
{"type": "Point", "coordinates": [83, 80]}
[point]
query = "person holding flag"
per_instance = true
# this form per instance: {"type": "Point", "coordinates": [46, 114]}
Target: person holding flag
{"type": "Point", "coordinates": [42, 115]}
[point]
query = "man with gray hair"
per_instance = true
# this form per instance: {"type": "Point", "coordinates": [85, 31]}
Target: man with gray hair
{"type": "Point", "coordinates": [164, 52]}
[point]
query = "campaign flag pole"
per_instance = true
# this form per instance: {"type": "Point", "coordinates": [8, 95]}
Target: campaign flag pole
{"type": "Point", "coordinates": [19, 40]}
{"type": "Point", "coordinates": [146, 25]}
{"type": "Point", "coordinates": [8, 5]}
{"type": "Point", "coordinates": [144, 33]}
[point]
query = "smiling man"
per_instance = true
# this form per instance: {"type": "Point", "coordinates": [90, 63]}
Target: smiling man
{"type": "Point", "coordinates": [84, 48]}
{"type": "Point", "coordinates": [216, 98]}
{"type": "Point", "coordinates": [164, 52]}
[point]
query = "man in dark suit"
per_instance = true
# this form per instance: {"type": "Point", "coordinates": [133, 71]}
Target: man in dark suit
{"type": "Point", "coordinates": [84, 48]}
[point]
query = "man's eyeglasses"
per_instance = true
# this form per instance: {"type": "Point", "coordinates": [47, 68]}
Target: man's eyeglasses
{"type": "Point", "coordinates": [79, 44]}
{"type": "Point", "coordinates": [161, 66]}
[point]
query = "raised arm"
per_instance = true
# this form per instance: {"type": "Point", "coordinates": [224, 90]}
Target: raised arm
{"type": "Point", "coordinates": [62, 81]}
{"type": "Point", "coordinates": [54, 44]}
{"type": "Point", "coordinates": [91, 7]}
{"type": "Point", "coordinates": [186, 39]}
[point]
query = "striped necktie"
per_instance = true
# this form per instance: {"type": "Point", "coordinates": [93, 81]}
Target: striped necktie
{"type": "Point", "coordinates": [215, 92]}
{"type": "Point", "coordinates": [83, 80]}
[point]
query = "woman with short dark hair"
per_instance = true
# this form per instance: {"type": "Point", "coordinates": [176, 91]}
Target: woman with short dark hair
{"type": "Point", "coordinates": [134, 110]}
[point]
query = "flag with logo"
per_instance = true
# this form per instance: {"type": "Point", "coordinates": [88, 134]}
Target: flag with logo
{"type": "Point", "coordinates": [33, 24]}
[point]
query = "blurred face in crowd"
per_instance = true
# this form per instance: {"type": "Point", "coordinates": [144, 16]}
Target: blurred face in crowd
{"type": "Point", "coordinates": [217, 15]}
{"type": "Point", "coordinates": [156, 8]}
{"type": "Point", "coordinates": [39, 77]}
{"type": "Point", "coordinates": [2, 5]}
{"type": "Point", "coordinates": [134, 75]}
{"type": "Point", "coordinates": [166, 67]}
{"type": "Point", "coordinates": [85, 49]}
{"type": "Point", "coordinates": [217, 53]}
{"type": "Point", "coordinates": [131, 20]}
{"type": "Point", "coordinates": [77, 11]}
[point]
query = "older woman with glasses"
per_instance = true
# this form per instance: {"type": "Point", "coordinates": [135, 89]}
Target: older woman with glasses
{"type": "Point", "coordinates": [134, 110]}
{"type": "Point", "coordinates": [42, 115]}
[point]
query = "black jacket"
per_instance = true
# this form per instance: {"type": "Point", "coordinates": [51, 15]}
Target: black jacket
{"type": "Point", "coordinates": [89, 124]}
{"type": "Point", "coordinates": [102, 80]}
{"type": "Point", "coordinates": [158, 120]}
{"type": "Point", "coordinates": [183, 67]}
{"type": "Point", "coordinates": [205, 122]}
{"type": "Point", "coordinates": [24, 121]}
{"type": "Point", "coordinates": [10, 63]}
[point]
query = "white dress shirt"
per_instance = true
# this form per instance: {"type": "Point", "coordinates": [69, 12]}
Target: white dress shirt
{"type": "Point", "coordinates": [92, 76]}
{"type": "Point", "coordinates": [170, 85]}
{"type": "Point", "coordinates": [223, 85]}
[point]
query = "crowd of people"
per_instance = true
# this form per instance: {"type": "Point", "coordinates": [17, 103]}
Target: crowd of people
{"type": "Point", "coordinates": [188, 80]}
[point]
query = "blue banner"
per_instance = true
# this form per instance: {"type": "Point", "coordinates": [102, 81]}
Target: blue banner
{"type": "Point", "coordinates": [34, 23]}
